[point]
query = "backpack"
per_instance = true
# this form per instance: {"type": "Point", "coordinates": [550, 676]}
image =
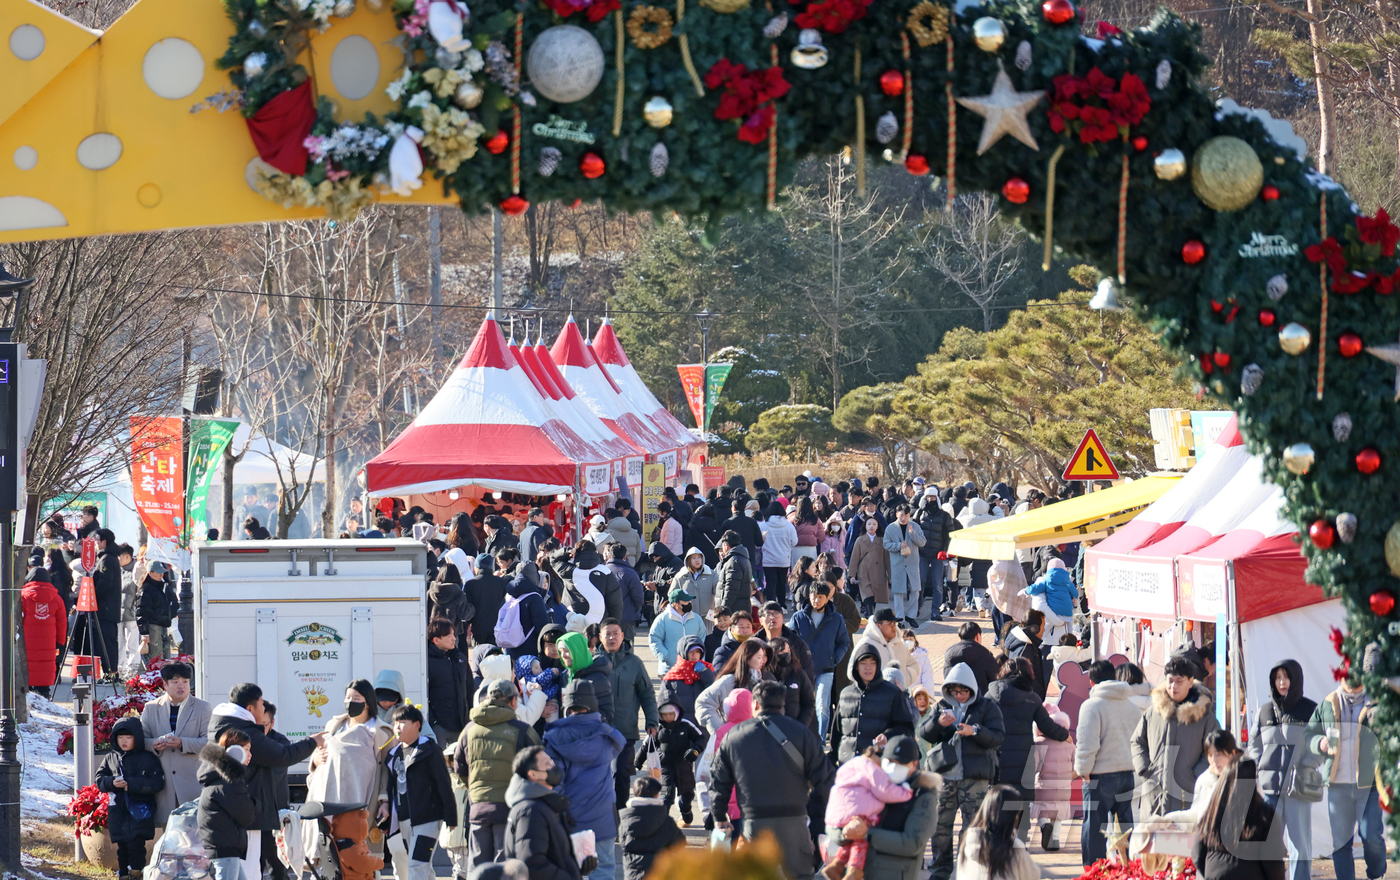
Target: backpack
{"type": "Point", "coordinates": [509, 631]}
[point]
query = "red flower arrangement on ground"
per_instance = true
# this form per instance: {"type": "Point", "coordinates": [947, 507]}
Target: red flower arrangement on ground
{"type": "Point", "coordinates": [1108, 869]}
{"type": "Point", "coordinates": [745, 94]}
{"type": "Point", "coordinates": [832, 16]}
{"type": "Point", "coordinates": [89, 807]}
{"type": "Point", "coordinates": [1096, 107]}
{"type": "Point", "coordinates": [1370, 240]}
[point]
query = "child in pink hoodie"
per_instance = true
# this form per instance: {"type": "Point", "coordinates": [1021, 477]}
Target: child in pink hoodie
{"type": "Point", "coordinates": [861, 791]}
{"type": "Point", "coordinates": [1054, 781]}
{"type": "Point", "coordinates": [738, 706]}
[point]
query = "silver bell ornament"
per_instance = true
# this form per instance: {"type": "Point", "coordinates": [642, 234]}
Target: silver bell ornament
{"type": "Point", "coordinates": [1251, 378]}
{"type": "Point", "coordinates": [1347, 524]}
{"type": "Point", "coordinates": [1299, 458]}
{"type": "Point", "coordinates": [1341, 427]}
{"type": "Point", "coordinates": [809, 53]}
{"type": "Point", "coordinates": [886, 127]}
{"type": "Point", "coordinates": [255, 64]}
{"type": "Point", "coordinates": [468, 95]}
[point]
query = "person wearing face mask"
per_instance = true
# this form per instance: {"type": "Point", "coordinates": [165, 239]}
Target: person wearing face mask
{"type": "Point", "coordinates": [672, 626]}
{"type": "Point", "coordinates": [537, 830]}
{"type": "Point", "coordinates": [801, 696]}
{"type": "Point", "coordinates": [864, 785]}
{"type": "Point", "coordinates": [346, 769]}
{"type": "Point", "coordinates": [921, 672]}
{"type": "Point", "coordinates": [898, 840]}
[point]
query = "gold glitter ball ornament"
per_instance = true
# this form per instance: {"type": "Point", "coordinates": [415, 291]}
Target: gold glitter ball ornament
{"type": "Point", "coordinates": [1299, 458]}
{"type": "Point", "coordinates": [1226, 173]}
{"type": "Point", "coordinates": [468, 95]}
{"type": "Point", "coordinates": [657, 112]}
{"type": "Point", "coordinates": [1392, 548]}
{"type": "Point", "coordinates": [988, 33]}
{"type": "Point", "coordinates": [1294, 338]}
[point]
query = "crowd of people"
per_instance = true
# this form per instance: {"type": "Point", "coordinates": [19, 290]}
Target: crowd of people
{"type": "Point", "coordinates": [790, 696]}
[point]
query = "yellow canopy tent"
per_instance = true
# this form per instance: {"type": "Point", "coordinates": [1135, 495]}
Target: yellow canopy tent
{"type": "Point", "coordinates": [1088, 517]}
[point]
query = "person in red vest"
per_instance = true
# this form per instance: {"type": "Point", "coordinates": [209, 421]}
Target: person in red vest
{"type": "Point", "coordinates": [45, 628]}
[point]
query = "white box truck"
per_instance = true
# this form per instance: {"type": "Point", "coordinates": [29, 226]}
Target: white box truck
{"type": "Point", "coordinates": [303, 619]}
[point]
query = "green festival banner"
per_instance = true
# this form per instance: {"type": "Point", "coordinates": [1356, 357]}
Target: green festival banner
{"type": "Point", "coordinates": [715, 374]}
{"type": "Point", "coordinates": [208, 439]}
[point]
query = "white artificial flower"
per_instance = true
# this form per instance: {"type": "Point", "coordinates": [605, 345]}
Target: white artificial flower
{"type": "Point", "coordinates": [396, 88]}
{"type": "Point", "coordinates": [422, 99]}
{"type": "Point", "coordinates": [472, 61]}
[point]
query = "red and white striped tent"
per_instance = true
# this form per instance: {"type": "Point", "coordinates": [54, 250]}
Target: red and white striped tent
{"type": "Point", "coordinates": [568, 410]}
{"type": "Point", "coordinates": [487, 426]}
{"type": "Point", "coordinates": [608, 349]}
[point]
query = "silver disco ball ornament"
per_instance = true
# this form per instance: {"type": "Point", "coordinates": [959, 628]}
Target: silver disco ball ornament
{"type": "Point", "coordinates": [565, 64]}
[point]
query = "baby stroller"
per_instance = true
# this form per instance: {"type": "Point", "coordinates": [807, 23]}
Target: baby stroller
{"type": "Point", "coordinates": [305, 839]}
{"type": "Point", "coordinates": [179, 855]}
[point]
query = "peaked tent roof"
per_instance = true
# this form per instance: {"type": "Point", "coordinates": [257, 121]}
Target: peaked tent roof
{"type": "Point", "coordinates": [486, 426]}
{"type": "Point", "coordinates": [546, 363]}
{"type": "Point", "coordinates": [608, 349]}
{"type": "Point", "coordinates": [607, 447]}
{"type": "Point", "coordinates": [574, 358]}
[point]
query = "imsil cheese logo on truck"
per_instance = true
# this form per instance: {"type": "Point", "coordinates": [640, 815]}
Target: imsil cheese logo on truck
{"type": "Point", "coordinates": [317, 636]}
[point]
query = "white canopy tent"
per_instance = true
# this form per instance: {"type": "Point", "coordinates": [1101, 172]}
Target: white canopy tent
{"type": "Point", "coordinates": [264, 456]}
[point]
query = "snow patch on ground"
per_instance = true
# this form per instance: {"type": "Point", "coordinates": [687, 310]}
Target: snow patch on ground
{"type": "Point", "coordinates": [48, 776]}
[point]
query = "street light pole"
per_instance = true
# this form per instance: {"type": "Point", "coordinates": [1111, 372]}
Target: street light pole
{"type": "Point", "coordinates": [704, 318]}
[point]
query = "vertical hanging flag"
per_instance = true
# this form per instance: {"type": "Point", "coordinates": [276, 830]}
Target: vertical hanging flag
{"type": "Point", "coordinates": [715, 374]}
{"type": "Point", "coordinates": [157, 471]}
{"type": "Point", "coordinates": [208, 439]}
{"type": "Point", "coordinates": [693, 381]}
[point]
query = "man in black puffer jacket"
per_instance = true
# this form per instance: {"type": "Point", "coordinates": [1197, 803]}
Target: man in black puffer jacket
{"type": "Point", "coordinates": [537, 831]}
{"type": "Point", "coordinates": [938, 526]}
{"type": "Point", "coordinates": [966, 730]}
{"type": "Point", "coordinates": [869, 707]}
{"type": "Point", "coordinates": [245, 713]}
{"type": "Point", "coordinates": [705, 530]}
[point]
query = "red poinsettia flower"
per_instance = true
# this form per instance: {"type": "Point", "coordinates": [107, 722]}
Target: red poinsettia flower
{"type": "Point", "coordinates": [747, 96]}
{"type": "Point", "coordinates": [1337, 636]}
{"type": "Point", "coordinates": [832, 16]}
{"type": "Point", "coordinates": [1379, 230]}
{"type": "Point", "coordinates": [1330, 251]}
{"type": "Point", "coordinates": [1352, 282]}
{"type": "Point", "coordinates": [1104, 30]}
{"type": "Point", "coordinates": [1097, 107]}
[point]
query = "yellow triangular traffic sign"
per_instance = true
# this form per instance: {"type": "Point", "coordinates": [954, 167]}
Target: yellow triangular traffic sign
{"type": "Point", "coordinates": [1090, 461]}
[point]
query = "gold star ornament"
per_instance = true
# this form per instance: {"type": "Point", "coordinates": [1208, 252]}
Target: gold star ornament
{"type": "Point", "coordinates": [1005, 112]}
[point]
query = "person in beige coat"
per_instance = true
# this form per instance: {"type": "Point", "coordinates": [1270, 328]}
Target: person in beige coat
{"type": "Point", "coordinates": [870, 566]}
{"type": "Point", "coordinates": [348, 768]}
{"type": "Point", "coordinates": [176, 727]}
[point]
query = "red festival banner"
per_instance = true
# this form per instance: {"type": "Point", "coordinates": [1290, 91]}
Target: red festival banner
{"type": "Point", "coordinates": [157, 474]}
{"type": "Point", "coordinates": [693, 381]}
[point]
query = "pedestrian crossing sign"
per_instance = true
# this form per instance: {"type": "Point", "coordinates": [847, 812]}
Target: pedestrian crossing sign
{"type": "Point", "coordinates": [1090, 461]}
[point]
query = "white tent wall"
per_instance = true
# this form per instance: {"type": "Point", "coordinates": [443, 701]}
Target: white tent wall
{"type": "Point", "coordinates": [121, 516]}
{"type": "Point", "coordinates": [1272, 639]}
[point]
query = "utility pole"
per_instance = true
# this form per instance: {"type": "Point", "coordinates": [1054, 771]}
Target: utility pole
{"type": "Point", "coordinates": [435, 279]}
{"type": "Point", "coordinates": [498, 296]}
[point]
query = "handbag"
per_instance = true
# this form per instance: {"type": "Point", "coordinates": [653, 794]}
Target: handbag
{"type": "Point", "coordinates": [1306, 784]}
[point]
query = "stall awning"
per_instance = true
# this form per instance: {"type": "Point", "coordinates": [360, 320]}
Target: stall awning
{"type": "Point", "coordinates": [1086, 517]}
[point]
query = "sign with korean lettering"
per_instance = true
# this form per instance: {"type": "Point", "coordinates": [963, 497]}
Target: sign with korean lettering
{"type": "Point", "coordinates": [157, 474]}
{"type": "Point", "coordinates": [314, 670]}
{"type": "Point", "coordinates": [653, 487]}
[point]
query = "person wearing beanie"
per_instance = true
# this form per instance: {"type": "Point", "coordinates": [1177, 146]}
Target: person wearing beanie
{"type": "Point", "coordinates": [862, 789]}
{"type": "Point", "coordinates": [45, 621]}
{"type": "Point", "coordinates": [585, 746]}
{"type": "Point", "coordinates": [898, 840]}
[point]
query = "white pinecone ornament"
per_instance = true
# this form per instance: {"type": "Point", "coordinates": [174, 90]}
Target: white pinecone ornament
{"type": "Point", "coordinates": [1277, 287]}
{"type": "Point", "coordinates": [1164, 73]}
{"type": "Point", "coordinates": [1341, 427]}
{"type": "Point", "coordinates": [1023, 55]}
{"type": "Point", "coordinates": [549, 160]}
{"type": "Point", "coordinates": [1346, 527]}
{"type": "Point", "coordinates": [886, 128]}
{"type": "Point", "coordinates": [660, 158]}
{"type": "Point", "coordinates": [1251, 378]}
{"type": "Point", "coordinates": [775, 26]}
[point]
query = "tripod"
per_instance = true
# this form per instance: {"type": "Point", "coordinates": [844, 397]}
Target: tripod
{"type": "Point", "coordinates": [92, 632]}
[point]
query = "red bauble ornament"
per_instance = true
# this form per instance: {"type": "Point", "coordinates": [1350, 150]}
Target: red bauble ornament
{"type": "Point", "coordinates": [1140, 143]}
{"type": "Point", "coordinates": [1267, 317]}
{"type": "Point", "coordinates": [1270, 193]}
{"type": "Point", "coordinates": [1193, 252]}
{"type": "Point", "coordinates": [1216, 306]}
{"type": "Point", "coordinates": [1207, 365]}
{"type": "Point", "coordinates": [1382, 602]}
{"type": "Point", "coordinates": [1222, 360]}
{"type": "Point", "coordinates": [1322, 534]}
{"type": "Point", "coordinates": [916, 165]}
{"type": "Point", "coordinates": [1350, 344]}
{"type": "Point", "coordinates": [1368, 460]}
{"type": "Point", "coordinates": [1057, 11]}
{"type": "Point", "coordinates": [592, 165]}
{"type": "Point", "coordinates": [497, 143]}
{"type": "Point", "coordinates": [514, 206]}
{"type": "Point", "coordinates": [892, 83]}
{"type": "Point", "coordinates": [1016, 191]}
